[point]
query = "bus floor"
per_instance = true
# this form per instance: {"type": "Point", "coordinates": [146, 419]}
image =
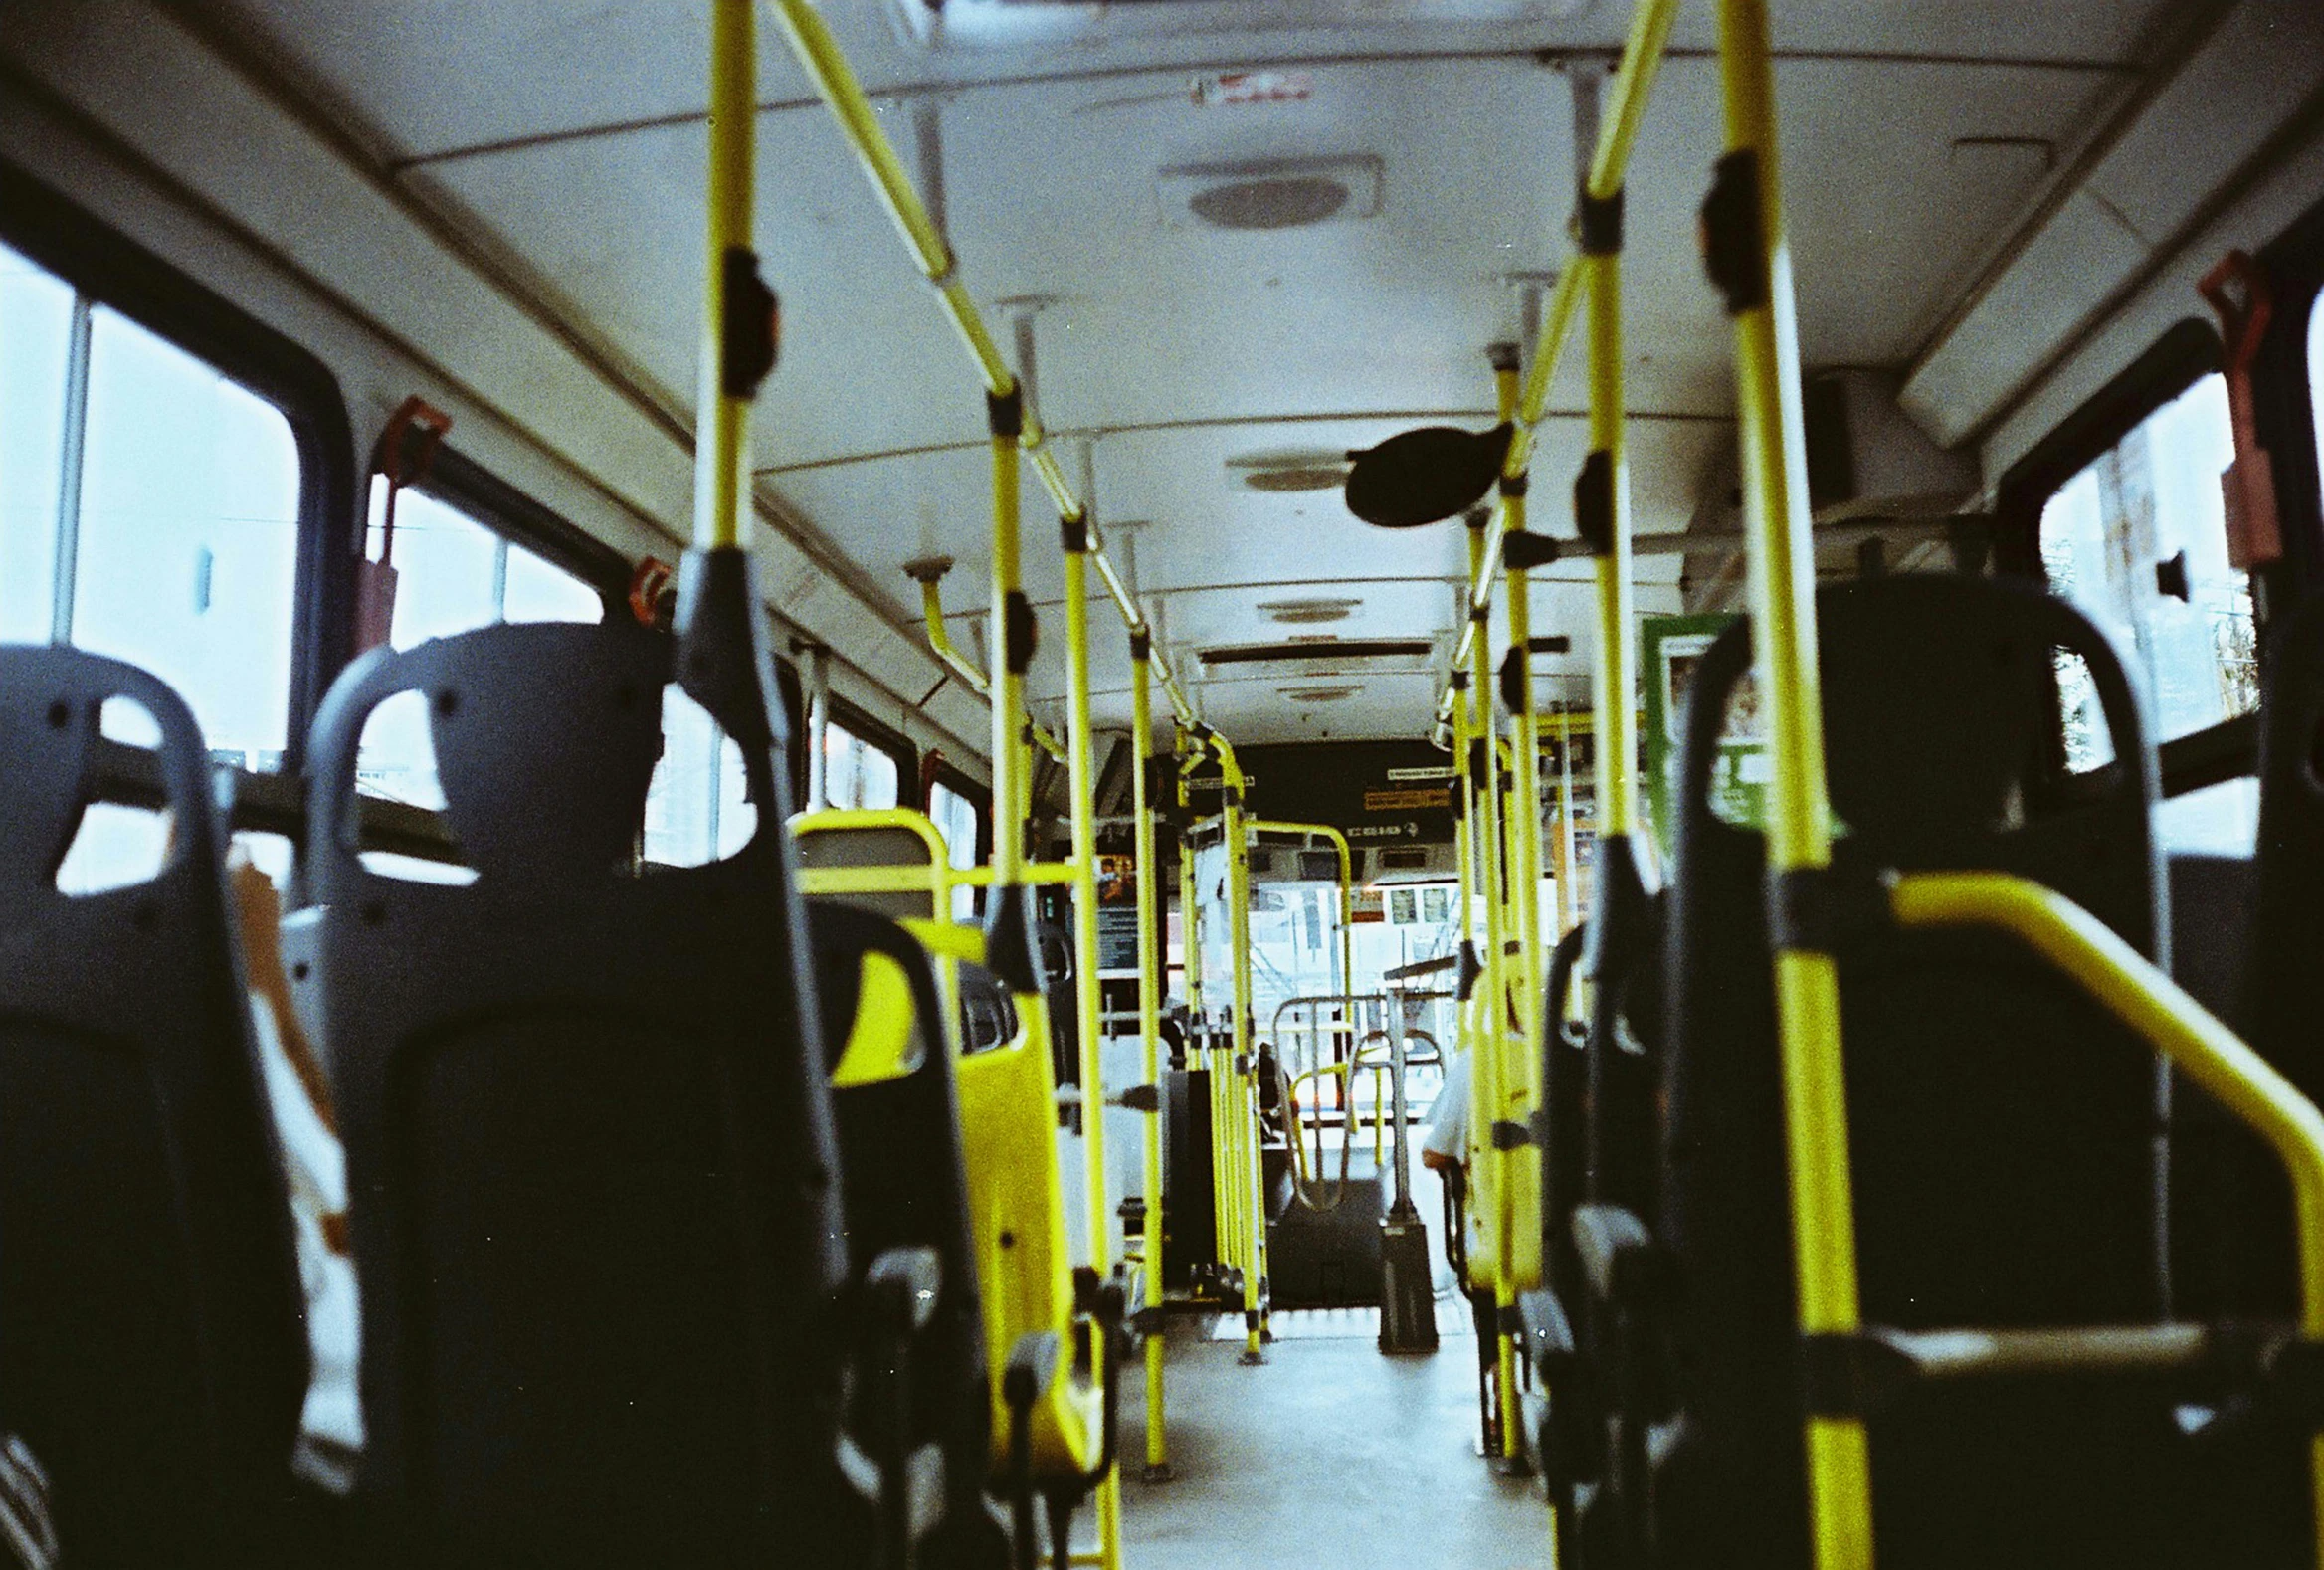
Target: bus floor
{"type": "Point", "coordinates": [1328, 1455]}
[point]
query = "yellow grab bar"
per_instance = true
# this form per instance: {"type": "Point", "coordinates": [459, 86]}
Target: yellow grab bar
{"type": "Point", "coordinates": [1751, 266]}
{"type": "Point", "coordinates": [1641, 60]}
{"type": "Point", "coordinates": [2155, 1006]}
{"type": "Point", "coordinates": [2152, 1004]}
{"type": "Point", "coordinates": [954, 658]}
{"type": "Point", "coordinates": [825, 65]}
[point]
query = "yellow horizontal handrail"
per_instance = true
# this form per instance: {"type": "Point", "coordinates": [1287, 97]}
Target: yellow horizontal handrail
{"type": "Point", "coordinates": [2152, 1004]}
{"type": "Point", "coordinates": [825, 65]}
{"type": "Point", "coordinates": [1641, 61]}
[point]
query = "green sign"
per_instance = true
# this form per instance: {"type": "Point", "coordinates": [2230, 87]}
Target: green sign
{"type": "Point", "coordinates": [1672, 647]}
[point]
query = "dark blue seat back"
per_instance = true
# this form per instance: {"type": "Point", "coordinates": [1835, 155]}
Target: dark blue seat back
{"type": "Point", "coordinates": [596, 1204]}
{"type": "Point", "coordinates": [2006, 1133]}
{"type": "Point", "coordinates": [908, 1187]}
{"type": "Point", "coordinates": [151, 1345]}
{"type": "Point", "coordinates": [2241, 1254]}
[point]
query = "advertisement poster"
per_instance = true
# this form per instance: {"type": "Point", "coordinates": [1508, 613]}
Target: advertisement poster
{"type": "Point", "coordinates": [1672, 647]}
{"type": "Point", "coordinates": [1118, 916]}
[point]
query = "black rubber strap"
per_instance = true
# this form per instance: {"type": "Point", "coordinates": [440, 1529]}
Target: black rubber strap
{"type": "Point", "coordinates": [1812, 909]}
{"type": "Point", "coordinates": [749, 331]}
{"type": "Point", "coordinates": [1846, 1376]}
{"type": "Point", "coordinates": [1021, 634]}
{"type": "Point", "coordinates": [1731, 251]}
{"type": "Point", "coordinates": [1522, 550]}
{"type": "Point", "coordinates": [1599, 222]}
{"type": "Point", "coordinates": [1516, 681]}
{"type": "Point", "coordinates": [1142, 644]}
{"type": "Point", "coordinates": [1075, 535]}
{"type": "Point", "coordinates": [1594, 503]}
{"type": "Point", "coordinates": [1006, 412]}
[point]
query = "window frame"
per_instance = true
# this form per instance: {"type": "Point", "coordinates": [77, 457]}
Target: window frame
{"type": "Point", "coordinates": [881, 738]}
{"type": "Point", "coordinates": [108, 268]}
{"type": "Point", "coordinates": [980, 797]}
{"type": "Point", "coordinates": [2188, 351]}
{"type": "Point", "coordinates": [2286, 405]}
{"type": "Point", "coordinates": [492, 504]}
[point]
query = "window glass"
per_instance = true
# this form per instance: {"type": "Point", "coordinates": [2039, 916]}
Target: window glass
{"type": "Point", "coordinates": [955, 818]}
{"type": "Point", "coordinates": [697, 808]}
{"type": "Point", "coordinates": [36, 334]}
{"type": "Point", "coordinates": [453, 574]}
{"type": "Point", "coordinates": [2138, 540]}
{"type": "Point", "coordinates": [186, 555]}
{"type": "Point", "coordinates": [856, 773]}
{"type": "Point", "coordinates": [2218, 820]}
{"type": "Point", "coordinates": [2316, 373]}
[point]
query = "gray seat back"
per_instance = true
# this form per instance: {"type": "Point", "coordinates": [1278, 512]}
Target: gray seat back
{"type": "Point", "coordinates": [151, 1351]}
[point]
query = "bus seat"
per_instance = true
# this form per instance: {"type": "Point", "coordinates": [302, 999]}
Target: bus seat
{"type": "Point", "coordinates": [2004, 1129]}
{"type": "Point", "coordinates": [589, 1140]}
{"type": "Point", "coordinates": [895, 838]}
{"type": "Point", "coordinates": [151, 1347]}
{"type": "Point", "coordinates": [898, 1120]}
{"type": "Point", "coordinates": [2246, 1208]}
{"type": "Point", "coordinates": [1036, 1318]}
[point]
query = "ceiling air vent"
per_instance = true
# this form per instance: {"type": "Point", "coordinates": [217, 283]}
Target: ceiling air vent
{"type": "Point", "coordinates": [1318, 694]}
{"type": "Point", "coordinates": [1290, 471]}
{"type": "Point", "coordinates": [1307, 613]}
{"type": "Point", "coordinates": [1337, 651]}
{"type": "Point", "coordinates": [1275, 193]}
{"type": "Point", "coordinates": [1037, 24]}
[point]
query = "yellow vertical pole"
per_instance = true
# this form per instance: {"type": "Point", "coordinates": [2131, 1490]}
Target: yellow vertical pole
{"type": "Point", "coordinates": [1081, 777]}
{"type": "Point", "coordinates": [1489, 1074]}
{"type": "Point", "coordinates": [1249, 1197]}
{"type": "Point", "coordinates": [722, 463]}
{"type": "Point", "coordinates": [1521, 1088]}
{"type": "Point", "coordinates": [1602, 508]}
{"type": "Point", "coordinates": [1464, 839]}
{"type": "Point", "coordinates": [1149, 1033]}
{"type": "Point", "coordinates": [1012, 639]}
{"type": "Point", "coordinates": [1751, 263]}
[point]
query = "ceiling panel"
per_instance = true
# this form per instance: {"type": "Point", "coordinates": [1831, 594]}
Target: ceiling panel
{"type": "Point", "coordinates": [1192, 346]}
{"type": "Point", "coordinates": [432, 76]}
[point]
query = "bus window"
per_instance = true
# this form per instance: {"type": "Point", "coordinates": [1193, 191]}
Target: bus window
{"type": "Point", "coordinates": [453, 574]}
{"type": "Point", "coordinates": [697, 808]}
{"type": "Point", "coordinates": [955, 818]}
{"type": "Point", "coordinates": [183, 555]}
{"type": "Point", "coordinates": [2138, 541]}
{"type": "Point", "coordinates": [37, 316]}
{"type": "Point", "coordinates": [2315, 374]}
{"type": "Point", "coordinates": [148, 511]}
{"type": "Point", "coordinates": [855, 772]}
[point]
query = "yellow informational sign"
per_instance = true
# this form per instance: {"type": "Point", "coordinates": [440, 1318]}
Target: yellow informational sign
{"type": "Point", "coordinates": [1407, 800]}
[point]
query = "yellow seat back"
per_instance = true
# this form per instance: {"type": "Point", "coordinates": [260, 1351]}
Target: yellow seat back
{"type": "Point", "coordinates": [1017, 1213]}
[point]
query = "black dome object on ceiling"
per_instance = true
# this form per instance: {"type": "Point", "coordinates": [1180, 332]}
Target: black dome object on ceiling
{"type": "Point", "coordinates": [1426, 476]}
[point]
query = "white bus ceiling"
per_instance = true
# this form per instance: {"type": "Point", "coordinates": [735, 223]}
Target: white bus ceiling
{"type": "Point", "coordinates": [498, 203]}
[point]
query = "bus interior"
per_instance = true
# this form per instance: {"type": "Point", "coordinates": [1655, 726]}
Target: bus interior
{"type": "Point", "coordinates": [612, 953]}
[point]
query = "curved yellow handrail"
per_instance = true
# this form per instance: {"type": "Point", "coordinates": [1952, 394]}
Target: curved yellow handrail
{"type": "Point", "coordinates": [2152, 1004]}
